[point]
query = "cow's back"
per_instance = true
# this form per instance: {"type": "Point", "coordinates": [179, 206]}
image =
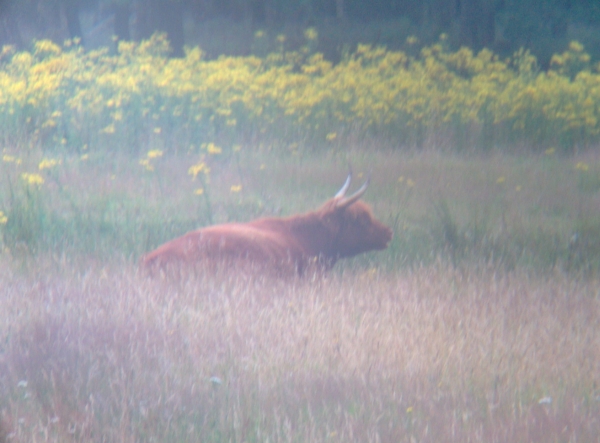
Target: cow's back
{"type": "Point", "coordinates": [234, 244]}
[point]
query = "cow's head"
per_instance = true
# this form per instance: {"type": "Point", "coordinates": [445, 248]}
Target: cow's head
{"type": "Point", "coordinates": [351, 224]}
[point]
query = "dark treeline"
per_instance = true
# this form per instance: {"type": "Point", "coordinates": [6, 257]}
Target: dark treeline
{"type": "Point", "coordinates": [543, 26]}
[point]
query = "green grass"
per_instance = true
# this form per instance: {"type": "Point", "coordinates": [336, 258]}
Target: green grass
{"type": "Point", "coordinates": [484, 307]}
{"type": "Point", "coordinates": [537, 212]}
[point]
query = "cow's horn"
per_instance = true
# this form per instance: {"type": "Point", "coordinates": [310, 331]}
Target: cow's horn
{"type": "Point", "coordinates": [344, 203]}
{"type": "Point", "coordinates": [345, 187]}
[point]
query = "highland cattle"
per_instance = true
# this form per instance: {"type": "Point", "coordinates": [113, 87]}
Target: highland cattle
{"type": "Point", "coordinates": [342, 227]}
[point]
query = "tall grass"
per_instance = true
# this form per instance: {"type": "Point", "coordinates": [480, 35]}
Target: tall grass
{"type": "Point", "coordinates": [479, 323]}
{"type": "Point", "coordinates": [452, 334]}
{"type": "Point", "coordinates": [508, 211]}
{"type": "Point", "coordinates": [432, 354]}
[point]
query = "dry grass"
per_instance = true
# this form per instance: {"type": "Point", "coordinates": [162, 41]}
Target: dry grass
{"type": "Point", "coordinates": [391, 347]}
{"type": "Point", "coordinates": [434, 354]}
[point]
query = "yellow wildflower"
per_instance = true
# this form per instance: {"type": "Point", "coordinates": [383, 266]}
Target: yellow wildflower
{"type": "Point", "coordinates": [154, 153]}
{"type": "Point", "coordinates": [48, 163]}
{"type": "Point", "coordinates": [331, 136]}
{"type": "Point", "coordinates": [197, 169]}
{"type": "Point", "coordinates": [3, 218]}
{"type": "Point", "coordinates": [501, 180]}
{"type": "Point", "coordinates": [32, 179]}
{"type": "Point", "coordinates": [110, 129]}
{"type": "Point", "coordinates": [199, 191]}
{"type": "Point", "coordinates": [582, 166]}
{"type": "Point", "coordinates": [236, 188]}
{"type": "Point", "coordinates": [11, 159]}
{"type": "Point", "coordinates": [311, 34]}
{"type": "Point", "coordinates": [46, 47]}
{"type": "Point", "coordinates": [146, 164]}
{"type": "Point", "coordinates": [550, 151]}
{"type": "Point", "coordinates": [575, 46]}
{"type": "Point", "coordinates": [213, 149]}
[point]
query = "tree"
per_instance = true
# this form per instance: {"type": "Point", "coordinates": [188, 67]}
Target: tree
{"type": "Point", "coordinates": [163, 16]}
{"type": "Point", "coordinates": [9, 30]}
{"type": "Point", "coordinates": [122, 11]}
{"type": "Point", "coordinates": [71, 9]}
{"type": "Point", "coordinates": [477, 22]}
{"type": "Point", "coordinates": [340, 10]}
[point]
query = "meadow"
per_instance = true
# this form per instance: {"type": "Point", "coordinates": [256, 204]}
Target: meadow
{"type": "Point", "coordinates": [480, 322]}
{"type": "Point", "coordinates": [472, 326]}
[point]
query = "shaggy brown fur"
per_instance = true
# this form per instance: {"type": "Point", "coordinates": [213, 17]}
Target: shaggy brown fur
{"type": "Point", "coordinates": [342, 227]}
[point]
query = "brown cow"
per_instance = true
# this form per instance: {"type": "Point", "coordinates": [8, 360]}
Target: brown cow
{"type": "Point", "coordinates": [341, 227]}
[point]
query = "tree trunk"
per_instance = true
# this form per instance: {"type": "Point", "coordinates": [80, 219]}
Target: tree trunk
{"type": "Point", "coordinates": [339, 10]}
{"type": "Point", "coordinates": [441, 14]}
{"type": "Point", "coordinates": [477, 23]}
{"type": "Point", "coordinates": [162, 16]}
{"type": "Point", "coordinates": [170, 20]}
{"type": "Point", "coordinates": [71, 8]}
{"type": "Point", "coordinates": [146, 12]}
{"type": "Point", "coordinates": [488, 24]}
{"type": "Point", "coordinates": [9, 30]}
{"type": "Point", "coordinates": [122, 13]}
{"type": "Point", "coordinates": [270, 13]}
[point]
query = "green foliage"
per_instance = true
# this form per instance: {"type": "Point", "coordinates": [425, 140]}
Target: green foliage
{"type": "Point", "coordinates": [584, 246]}
{"type": "Point", "coordinates": [40, 214]}
{"type": "Point", "coordinates": [138, 98]}
{"type": "Point", "coordinates": [528, 212]}
{"type": "Point", "coordinates": [26, 220]}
